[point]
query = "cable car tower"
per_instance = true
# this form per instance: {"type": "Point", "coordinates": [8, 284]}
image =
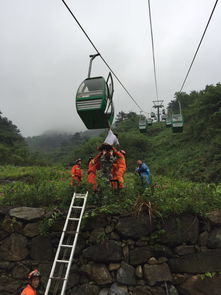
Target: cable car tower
{"type": "Point", "coordinates": [158, 104]}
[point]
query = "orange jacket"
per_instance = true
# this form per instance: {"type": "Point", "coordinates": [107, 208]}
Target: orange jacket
{"type": "Point", "coordinates": [92, 180]}
{"type": "Point", "coordinates": [92, 167]}
{"type": "Point", "coordinates": [29, 291]}
{"type": "Point", "coordinates": [77, 172]}
{"type": "Point", "coordinates": [120, 162]}
{"type": "Point", "coordinates": [94, 164]}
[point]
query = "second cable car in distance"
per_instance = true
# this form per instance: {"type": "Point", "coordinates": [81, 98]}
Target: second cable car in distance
{"type": "Point", "coordinates": [169, 118]}
{"type": "Point", "coordinates": [142, 124]}
{"type": "Point", "coordinates": [94, 100]}
{"type": "Point", "coordinates": [149, 121]}
{"type": "Point", "coordinates": [153, 115]}
{"type": "Point", "coordinates": [163, 115]}
{"type": "Point", "coordinates": [177, 120]}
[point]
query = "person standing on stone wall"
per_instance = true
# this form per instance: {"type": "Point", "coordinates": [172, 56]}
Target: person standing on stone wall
{"type": "Point", "coordinates": [76, 173]}
{"type": "Point", "coordinates": [144, 172]}
{"type": "Point", "coordinates": [118, 169]}
{"type": "Point", "coordinates": [33, 283]}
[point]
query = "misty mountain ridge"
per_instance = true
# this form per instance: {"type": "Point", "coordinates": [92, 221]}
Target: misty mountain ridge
{"type": "Point", "coordinates": [53, 139]}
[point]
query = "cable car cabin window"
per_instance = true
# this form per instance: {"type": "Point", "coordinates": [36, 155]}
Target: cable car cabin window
{"type": "Point", "coordinates": [177, 117]}
{"type": "Point", "coordinates": [91, 87]}
{"type": "Point", "coordinates": [142, 122]}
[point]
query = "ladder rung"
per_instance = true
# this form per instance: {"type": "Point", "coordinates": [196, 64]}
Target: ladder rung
{"type": "Point", "coordinates": [71, 232]}
{"type": "Point", "coordinates": [62, 261]}
{"type": "Point", "coordinates": [80, 197]}
{"type": "Point", "coordinates": [77, 207]}
{"type": "Point", "coordinates": [67, 246]}
{"type": "Point", "coordinates": [58, 278]}
{"type": "Point", "coordinates": [73, 218]}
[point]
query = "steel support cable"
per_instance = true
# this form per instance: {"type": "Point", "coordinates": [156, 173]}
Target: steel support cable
{"type": "Point", "coordinates": [198, 47]}
{"type": "Point", "coordinates": [153, 51]}
{"type": "Point", "coordinates": [89, 39]}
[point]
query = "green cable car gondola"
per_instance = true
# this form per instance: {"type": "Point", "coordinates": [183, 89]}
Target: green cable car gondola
{"type": "Point", "coordinates": [149, 121]}
{"type": "Point", "coordinates": [169, 118]}
{"type": "Point", "coordinates": [94, 101]}
{"type": "Point", "coordinates": [153, 115]}
{"type": "Point", "coordinates": [177, 121]}
{"type": "Point", "coordinates": [163, 117]}
{"type": "Point", "coordinates": [143, 124]}
{"type": "Point", "coordinates": [168, 122]}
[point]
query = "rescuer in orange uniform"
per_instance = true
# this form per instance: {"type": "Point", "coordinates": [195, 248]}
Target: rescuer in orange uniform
{"type": "Point", "coordinates": [93, 166]}
{"type": "Point", "coordinates": [76, 173]}
{"type": "Point", "coordinates": [118, 169]}
{"type": "Point", "coordinates": [33, 283]}
{"type": "Point", "coordinates": [91, 178]}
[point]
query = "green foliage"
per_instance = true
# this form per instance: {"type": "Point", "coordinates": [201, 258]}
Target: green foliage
{"type": "Point", "coordinates": [209, 275]}
{"type": "Point", "coordinates": [101, 238]}
{"type": "Point", "coordinates": [34, 186]}
{"type": "Point", "coordinates": [50, 187]}
{"type": "Point", "coordinates": [13, 149]}
{"type": "Point", "coordinates": [137, 146]}
{"type": "Point", "coordinates": [195, 153]}
{"type": "Point", "coordinates": [48, 222]}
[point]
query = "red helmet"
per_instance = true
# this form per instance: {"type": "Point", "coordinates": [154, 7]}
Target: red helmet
{"type": "Point", "coordinates": [123, 152]}
{"type": "Point", "coordinates": [33, 274]}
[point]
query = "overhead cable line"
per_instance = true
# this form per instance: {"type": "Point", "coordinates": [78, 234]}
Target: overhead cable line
{"type": "Point", "coordinates": [153, 51]}
{"type": "Point", "coordinates": [198, 47]}
{"type": "Point", "coordinates": [89, 39]}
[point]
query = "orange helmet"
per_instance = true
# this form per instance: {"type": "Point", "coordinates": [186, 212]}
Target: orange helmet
{"type": "Point", "coordinates": [33, 274]}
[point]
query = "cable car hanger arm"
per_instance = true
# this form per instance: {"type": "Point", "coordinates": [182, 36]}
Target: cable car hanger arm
{"type": "Point", "coordinates": [92, 56]}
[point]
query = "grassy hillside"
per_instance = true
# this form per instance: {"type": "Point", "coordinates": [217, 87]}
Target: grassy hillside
{"type": "Point", "coordinates": [195, 154]}
{"type": "Point", "coordinates": [50, 187]}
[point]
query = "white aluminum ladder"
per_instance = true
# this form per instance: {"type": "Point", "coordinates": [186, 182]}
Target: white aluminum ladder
{"type": "Point", "coordinates": [63, 259]}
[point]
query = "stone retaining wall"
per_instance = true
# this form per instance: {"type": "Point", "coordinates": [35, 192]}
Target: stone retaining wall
{"type": "Point", "coordinates": [116, 255]}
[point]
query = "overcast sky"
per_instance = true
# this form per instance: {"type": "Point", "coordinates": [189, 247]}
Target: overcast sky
{"type": "Point", "coordinates": [44, 55]}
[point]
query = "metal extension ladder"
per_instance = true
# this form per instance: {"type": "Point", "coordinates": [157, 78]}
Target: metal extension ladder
{"type": "Point", "coordinates": [63, 259]}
